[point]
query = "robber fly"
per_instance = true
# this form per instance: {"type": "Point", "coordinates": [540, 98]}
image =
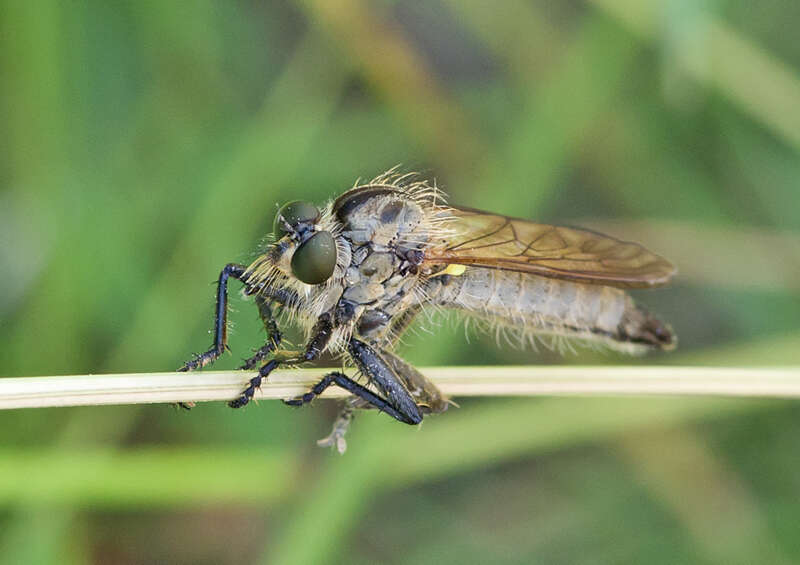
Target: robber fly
{"type": "Point", "coordinates": [356, 273]}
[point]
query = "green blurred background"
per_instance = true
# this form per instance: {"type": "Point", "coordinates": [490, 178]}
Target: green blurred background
{"type": "Point", "coordinates": [144, 145]}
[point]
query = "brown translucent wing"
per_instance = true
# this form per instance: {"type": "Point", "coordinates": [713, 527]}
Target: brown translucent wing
{"type": "Point", "coordinates": [499, 242]}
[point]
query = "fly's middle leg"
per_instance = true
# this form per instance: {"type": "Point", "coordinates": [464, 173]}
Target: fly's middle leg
{"type": "Point", "coordinates": [274, 335]}
{"type": "Point", "coordinates": [254, 385]}
{"type": "Point", "coordinates": [321, 335]}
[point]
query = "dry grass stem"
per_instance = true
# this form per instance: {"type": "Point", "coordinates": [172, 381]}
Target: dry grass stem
{"type": "Point", "coordinates": [33, 392]}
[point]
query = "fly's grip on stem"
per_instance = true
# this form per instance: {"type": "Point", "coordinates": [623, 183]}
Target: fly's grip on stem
{"type": "Point", "coordinates": [321, 337]}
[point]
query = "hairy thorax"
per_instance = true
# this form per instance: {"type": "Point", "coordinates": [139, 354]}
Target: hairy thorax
{"type": "Point", "coordinates": [387, 235]}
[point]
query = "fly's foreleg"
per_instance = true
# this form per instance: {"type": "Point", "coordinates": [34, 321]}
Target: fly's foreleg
{"type": "Point", "coordinates": [220, 320]}
{"type": "Point", "coordinates": [321, 335]}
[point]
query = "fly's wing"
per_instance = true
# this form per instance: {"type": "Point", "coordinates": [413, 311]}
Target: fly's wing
{"type": "Point", "coordinates": [498, 242]}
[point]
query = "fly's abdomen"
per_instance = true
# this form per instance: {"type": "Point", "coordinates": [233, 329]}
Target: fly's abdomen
{"type": "Point", "coordinates": [548, 306]}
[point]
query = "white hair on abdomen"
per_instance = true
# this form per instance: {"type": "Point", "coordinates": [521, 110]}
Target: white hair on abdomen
{"type": "Point", "coordinates": [537, 307]}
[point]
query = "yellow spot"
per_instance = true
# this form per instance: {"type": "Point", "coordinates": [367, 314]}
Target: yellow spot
{"type": "Point", "coordinates": [454, 270]}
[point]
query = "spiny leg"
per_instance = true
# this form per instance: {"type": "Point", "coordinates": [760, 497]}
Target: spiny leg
{"type": "Point", "coordinates": [362, 392]}
{"type": "Point", "coordinates": [263, 298]}
{"type": "Point", "coordinates": [425, 393]}
{"type": "Point", "coordinates": [254, 384]}
{"type": "Point", "coordinates": [396, 400]}
{"type": "Point", "coordinates": [220, 325]}
{"type": "Point", "coordinates": [321, 335]}
{"type": "Point", "coordinates": [380, 373]}
{"type": "Point", "coordinates": [274, 336]}
{"type": "Point", "coordinates": [220, 320]}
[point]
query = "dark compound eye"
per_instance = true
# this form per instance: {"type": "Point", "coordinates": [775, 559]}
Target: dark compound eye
{"type": "Point", "coordinates": [294, 213]}
{"type": "Point", "coordinates": [313, 262]}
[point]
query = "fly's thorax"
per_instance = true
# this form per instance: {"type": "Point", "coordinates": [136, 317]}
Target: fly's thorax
{"type": "Point", "coordinates": [381, 217]}
{"type": "Point", "coordinates": [376, 288]}
{"type": "Point", "coordinates": [388, 231]}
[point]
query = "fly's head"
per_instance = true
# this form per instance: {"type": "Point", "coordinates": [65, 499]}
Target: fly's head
{"type": "Point", "coordinates": [305, 249]}
{"type": "Point", "coordinates": [307, 253]}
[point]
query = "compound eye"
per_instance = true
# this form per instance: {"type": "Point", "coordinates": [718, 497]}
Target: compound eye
{"type": "Point", "coordinates": [294, 213]}
{"type": "Point", "coordinates": [314, 261]}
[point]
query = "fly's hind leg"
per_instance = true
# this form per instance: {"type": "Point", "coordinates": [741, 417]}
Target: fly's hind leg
{"type": "Point", "coordinates": [396, 400]}
{"type": "Point", "coordinates": [427, 396]}
{"type": "Point", "coordinates": [380, 373]}
{"type": "Point", "coordinates": [425, 393]}
{"type": "Point", "coordinates": [360, 391]}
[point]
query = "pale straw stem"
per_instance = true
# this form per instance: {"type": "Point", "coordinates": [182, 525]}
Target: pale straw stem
{"type": "Point", "coordinates": [138, 388]}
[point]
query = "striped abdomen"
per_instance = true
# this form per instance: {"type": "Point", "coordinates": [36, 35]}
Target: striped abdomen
{"type": "Point", "coordinates": [548, 306]}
